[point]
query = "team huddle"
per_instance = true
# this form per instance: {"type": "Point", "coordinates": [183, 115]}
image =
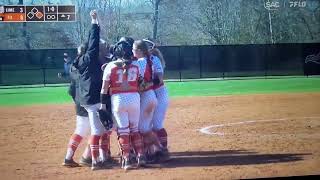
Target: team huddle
{"type": "Point", "coordinates": [128, 91]}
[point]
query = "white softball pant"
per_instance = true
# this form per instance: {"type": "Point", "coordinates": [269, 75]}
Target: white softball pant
{"type": "Point", "coordinates": [126, 109]}
{"type": "Point", "coordinates": [82, 126]}
{"type": "Point", "coordinates": [148, 102]}
{"type": "Point", "coordinates": [95, 124]}
{"type": "Point", "coordinates": [161, 108]}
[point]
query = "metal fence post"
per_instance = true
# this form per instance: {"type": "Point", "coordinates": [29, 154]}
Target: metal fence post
{"type": "Point", "coordinates": [223, 65]}
{"type": "Point", "coordinates": [180, 63]}
{"type": "Point", "coordinates": [44, 76]}
{"type": "Point", "coordinates": [200, 60]}
{"type": "Point", "coordinates": [0, 74]}
{"type": "Point", "coordinates": [267, 61]}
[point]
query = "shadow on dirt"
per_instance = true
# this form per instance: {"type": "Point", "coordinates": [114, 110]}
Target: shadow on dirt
{"type": "Point", "coordinates": [227, 157]}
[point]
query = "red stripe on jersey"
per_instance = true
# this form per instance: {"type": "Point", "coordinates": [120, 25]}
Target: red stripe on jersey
{"type": "Point", "coordinates": [148, 74]}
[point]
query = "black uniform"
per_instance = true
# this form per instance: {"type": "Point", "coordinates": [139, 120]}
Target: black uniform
{"type": "Point", "coordinates": [74, 91]}
{"type": "Point", "coordinates": [90, 74]}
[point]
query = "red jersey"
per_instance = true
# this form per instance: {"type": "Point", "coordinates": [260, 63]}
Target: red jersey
{"type": "Point", "coordinates": [121, 82]}
{"type": "Point", "coordinates": [148, 74]}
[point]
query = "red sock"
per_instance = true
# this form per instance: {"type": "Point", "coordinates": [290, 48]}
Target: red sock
{"type": "Point", "coordinates": [105, 144]}
{"type": "Point", "coordinates": [94, 145]}
{"type": "Point", "coordinates": [73, 145]}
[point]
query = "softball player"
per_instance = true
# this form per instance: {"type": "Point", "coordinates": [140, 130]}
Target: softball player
{"type": "Point", "coordinates": [160, 112]}
{"type": "Point", "coordinates": [82, 129]}
{"type": "Point", "coordinates": [148, 100]}
{"type": "Point", "coordinates": [162, 97]}
{"type": "Point", "coordinates": [120, 78]}
{"type": "Point", "coordinates": [90, 83]}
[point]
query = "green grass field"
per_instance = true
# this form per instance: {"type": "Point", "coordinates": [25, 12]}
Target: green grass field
{"type": "Point", "coordinates": [57, 95]}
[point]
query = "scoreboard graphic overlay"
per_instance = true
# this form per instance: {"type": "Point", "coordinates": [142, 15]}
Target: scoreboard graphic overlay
{"type": "Point", "coordinates": [48, 13]}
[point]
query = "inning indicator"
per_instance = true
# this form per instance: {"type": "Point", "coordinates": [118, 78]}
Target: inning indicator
{"type": "Point", "coordinates": [50, 13]}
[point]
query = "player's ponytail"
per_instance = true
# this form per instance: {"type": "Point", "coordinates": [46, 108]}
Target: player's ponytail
{"type": "Point", "coordinates": [157, 52]}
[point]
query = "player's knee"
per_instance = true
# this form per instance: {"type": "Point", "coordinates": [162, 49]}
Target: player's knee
{"type": "Point", "coordinates": [96, 132]}
{"type": "Point", "coordinates": [82, 127]}
{"type": "Point", "coordinates": [149, 110]}
{"type": "Point", "coordinates": [86, 126]}
{"type": "Point", "coordinates": [97, 128]}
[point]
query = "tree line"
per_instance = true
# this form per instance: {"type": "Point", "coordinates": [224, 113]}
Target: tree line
{"type": "Point", "coordinates": [172, 22]}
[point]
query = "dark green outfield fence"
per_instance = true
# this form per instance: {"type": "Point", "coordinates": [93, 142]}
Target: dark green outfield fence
{"type": "Point", "coordinates": [22, 67]}
{"type": "Point", "coordinates": [185, 62]}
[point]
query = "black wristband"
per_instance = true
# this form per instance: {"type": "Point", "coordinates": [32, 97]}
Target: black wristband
{"type": "Point", "coordinates": [105, 98]}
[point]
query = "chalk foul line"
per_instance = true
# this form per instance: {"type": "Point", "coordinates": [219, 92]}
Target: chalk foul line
{"type": "Point", "coordinates": [208, 130]}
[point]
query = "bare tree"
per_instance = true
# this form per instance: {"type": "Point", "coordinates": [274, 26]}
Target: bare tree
{"type": "Point", "coordinates": [155, 20]}
{"type": "Point", "coordinates": [156, 4]}
{"type": "Point", "coordinates": [24, 31]}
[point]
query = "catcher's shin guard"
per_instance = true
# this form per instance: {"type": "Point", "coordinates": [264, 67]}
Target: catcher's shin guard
{"type": "Point", "coordinates": [155, 141]}
{"type": "Point", "coordinates": [150, 140]}
{"type": "Point", "coordinates": [124, 145]}
{"type": "Point", "coordinates": [136, 142]}
{"type": "Point", "coordinates": [163, 137]}
{"type": "Point", "coordinates": [146, 142]}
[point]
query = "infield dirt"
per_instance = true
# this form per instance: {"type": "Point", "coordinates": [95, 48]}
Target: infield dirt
{"type": "Point", "coordinates": [33, 140]}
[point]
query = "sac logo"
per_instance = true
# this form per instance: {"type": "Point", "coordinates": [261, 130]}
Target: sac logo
{"type": "Point", "coordinates": [314, 58]}
{"type": "Point", "coordinates": [271, 4]}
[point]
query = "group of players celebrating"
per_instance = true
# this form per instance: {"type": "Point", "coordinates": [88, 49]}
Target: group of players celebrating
{"type": "Point", "coordinates": [128, 90]}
